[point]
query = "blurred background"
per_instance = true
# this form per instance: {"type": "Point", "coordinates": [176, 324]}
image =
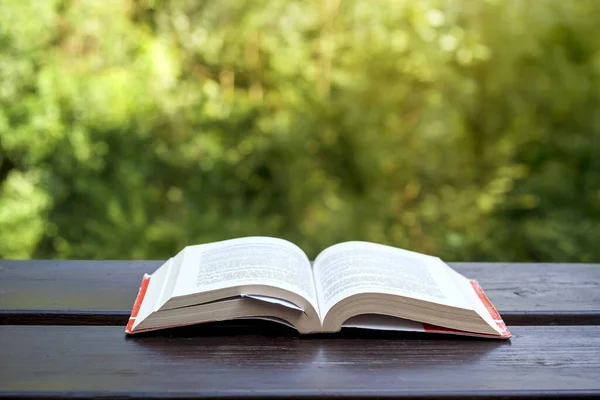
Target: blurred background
{"type": "Point", "coordinates": [467, 129]}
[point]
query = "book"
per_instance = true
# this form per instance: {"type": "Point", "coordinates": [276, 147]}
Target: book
{"type": "Point", "coordinates": [351, 284]}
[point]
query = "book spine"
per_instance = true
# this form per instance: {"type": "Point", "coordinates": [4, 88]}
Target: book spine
{"type": "Point", "coordinates": [138, 303]}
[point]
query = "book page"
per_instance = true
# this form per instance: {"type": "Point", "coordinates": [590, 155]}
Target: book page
{"type": "Point", "coordinates": [383, 323]}
{"type": "Point", "coordinates": [246, 261]}
{"type": "Point", "coordinates": [274, 300]}
{"type": "Point", "coordinates": [351, 268]}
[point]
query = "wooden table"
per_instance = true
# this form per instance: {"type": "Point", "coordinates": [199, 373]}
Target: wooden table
{"type": "Point", "coordinates": [62, 322]}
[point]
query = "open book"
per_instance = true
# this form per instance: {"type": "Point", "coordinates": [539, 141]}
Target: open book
{"type": "Point", "coordinates": [352, 284]}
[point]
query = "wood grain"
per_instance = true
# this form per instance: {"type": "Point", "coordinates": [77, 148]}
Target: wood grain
{"type": "Point", "coordinates": [85, 362]}
{"type": "Point", "coordinates": [102, 292]}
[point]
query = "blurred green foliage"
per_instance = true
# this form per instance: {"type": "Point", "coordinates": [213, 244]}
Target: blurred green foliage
{"type": "Point", "coordinates": [466, 129]}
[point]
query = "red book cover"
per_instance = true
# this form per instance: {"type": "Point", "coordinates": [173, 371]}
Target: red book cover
{"type": "Point", "coordinates": [138, 303]}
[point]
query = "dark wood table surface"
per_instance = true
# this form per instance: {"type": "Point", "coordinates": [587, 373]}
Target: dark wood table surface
{"type": "Point", "coordinates": [62, 335]}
